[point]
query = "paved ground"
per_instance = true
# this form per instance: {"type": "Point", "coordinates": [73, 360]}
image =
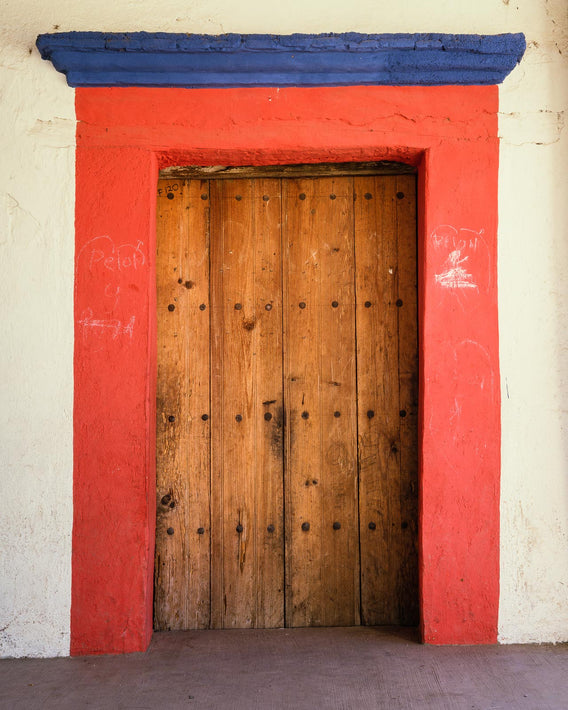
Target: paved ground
{"type": "Point", "coordinates": [354, 668]}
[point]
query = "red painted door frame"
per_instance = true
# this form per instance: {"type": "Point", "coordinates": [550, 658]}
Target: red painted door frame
{"type": "Point", "coordinates": [124, 137]}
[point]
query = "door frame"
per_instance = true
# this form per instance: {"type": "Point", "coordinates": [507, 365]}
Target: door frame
{"type": "Point", "coordinates": [124, 137]}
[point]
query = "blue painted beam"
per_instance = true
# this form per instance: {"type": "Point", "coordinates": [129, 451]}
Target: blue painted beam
{"type": "Point", "coordinates": [191, 61]}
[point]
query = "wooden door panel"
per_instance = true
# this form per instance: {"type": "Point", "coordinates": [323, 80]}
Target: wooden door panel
{"type": "Point", "coordinates": [384, 237]}
{"type": "Point", "coordinates": [322, 580]}
{"type": "Point", "coordinates": [269, 418]}
{"type": "Point", "coordinates": [246, 404]}
{"type": "Point", "coordinates": [287, 403]}
{"type": "Point", "coordinates": [181, 586]}
{"type": "Point", "coordinates": [407, 589]}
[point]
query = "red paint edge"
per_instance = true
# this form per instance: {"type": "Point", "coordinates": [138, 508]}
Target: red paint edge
{"type": "Point", "coordinates": [123, 137]}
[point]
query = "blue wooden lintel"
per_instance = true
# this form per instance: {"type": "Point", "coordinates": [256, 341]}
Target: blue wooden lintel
{"type": "Point", "coordinates": [232, 60]}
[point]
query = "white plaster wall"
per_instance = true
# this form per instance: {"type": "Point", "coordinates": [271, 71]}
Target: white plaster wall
{"type": "Point", "coordinates": [36, 273]}
{"type": "Point", "coordinates": [37, 146]}
{"type": "Point", "coordinates": [533, 301]}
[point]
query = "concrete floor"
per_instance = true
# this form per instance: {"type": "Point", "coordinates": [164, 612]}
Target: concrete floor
{"type": "Point", "coordinates": [353, 668]}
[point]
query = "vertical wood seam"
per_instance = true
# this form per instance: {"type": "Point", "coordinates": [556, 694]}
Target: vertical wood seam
{"type": "Point", "coordinates": [322, 498]}
{"type": "Point", "coordinates": [255, 347]}
{"type": "Point", "coordinates": [398, 337]}
{"type": "Point", "coordinates": [208, 247]}
{"type": "Point", "coordinates": [283, 404]}
{"type": "Point", "coordinates": [355, 319]}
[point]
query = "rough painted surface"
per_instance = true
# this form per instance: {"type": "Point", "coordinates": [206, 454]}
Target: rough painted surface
{"type": "Point", "coordinates": [37, 141]}
{"type": "Point", "coordinates": [348, 59]}
{"type": "Point", "coordinates": [453, 133]}
{"type": "Point", "coordinates": [533, 322]}
{"type": "Point", "coordinates": [38, 172]}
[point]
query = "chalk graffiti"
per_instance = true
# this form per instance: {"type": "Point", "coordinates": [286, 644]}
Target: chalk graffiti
{"type": "Point", "coordinates": [455, 275]}
{"type": "Point", "coordinates": [483, 373]}
{"type": "Point", "coordinates": [111, 265]}
{"type": "Point", "coordinates": [113, 326]}
{"type": "Point", "coordinates": [103, 251]}
{"type": "Point", "coordinates": [462, 258]}
{"type": "Point", "coordinates": [447, 237]}
{"type": "Point", "coordinates": [112, 292]}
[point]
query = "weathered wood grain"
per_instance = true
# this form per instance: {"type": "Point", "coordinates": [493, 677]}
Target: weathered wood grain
{"type": "Point", "coordinates": [382, 167]}
{"type": "Point", "coordinates": [322, 579]}
{"type": "Point", "coordinates": [247, 568]}
{"type": "Point", "coordinates": [407, 593]}
{"type": "Point", "coordinates": [181, 585]}
{"type": "Point", "coordinates": [287, 398]}
{"type": "Point", "coordinates": [378, 396]}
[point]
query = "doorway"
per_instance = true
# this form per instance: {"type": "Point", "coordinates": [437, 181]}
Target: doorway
{"type": "Point", "coordinates": [287, 401]}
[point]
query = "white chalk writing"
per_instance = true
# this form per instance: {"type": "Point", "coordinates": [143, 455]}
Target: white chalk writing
{"type": "Point", "coordinates": [113, 326]}
{"type": "Point", "coordinates": [447, 237]}
{"type": "Point", "coordinates": [455, 251]}
{"type": "Point", "coordinates": [455, 275]}
{"type": "Point", "coordinates": [104, 252]}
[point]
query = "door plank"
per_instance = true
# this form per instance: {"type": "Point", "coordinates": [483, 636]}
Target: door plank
{"type": "Point", "coordinates": [322, 585]}
{"type": "Point", "coordinates": [182, 439]}
{"type": "Point", "coordinates": [408, 394]}
{"type": "Point", "coordinates": [378, 397]}
{"type": "Point", "coordinates": [269, 410]}
{"type": "Point", "coordinates": [340, 546]}
{"type": "Point", "coordinates": [247, 567]}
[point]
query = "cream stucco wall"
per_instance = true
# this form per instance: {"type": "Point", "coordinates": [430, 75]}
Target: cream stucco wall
{"type": "Point", "coordinates": [36, 288]}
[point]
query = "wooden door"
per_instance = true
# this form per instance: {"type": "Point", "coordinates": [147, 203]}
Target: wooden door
{"type": "Point", "coordinates": [322, 551]}
{"type": "Point", "coordinates": [287, 402]}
